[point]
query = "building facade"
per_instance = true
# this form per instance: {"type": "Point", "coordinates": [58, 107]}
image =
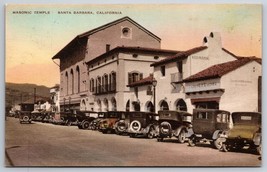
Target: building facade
{"type": "Point", "coordinates": [128, 71]}
{"type": "Point", "coordinates": [74, 76]}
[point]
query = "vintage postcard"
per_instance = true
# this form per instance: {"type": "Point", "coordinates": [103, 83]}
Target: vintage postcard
{"type": "Point", "coordinates": [135, 85]}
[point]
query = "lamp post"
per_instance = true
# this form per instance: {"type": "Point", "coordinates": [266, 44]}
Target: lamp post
{"type": "Point", "coordinates": [69, 102]}
{"type": "Point", "coordinates": [64, 99]}
{"type": "Point", "coordinates": [154, 84]}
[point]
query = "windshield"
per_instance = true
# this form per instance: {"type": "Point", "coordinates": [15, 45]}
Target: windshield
{"type": "Point", "coordinates": [246, 118]}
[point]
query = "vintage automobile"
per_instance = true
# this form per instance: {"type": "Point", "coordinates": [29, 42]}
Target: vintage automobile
{"type": "Point", "coordinates": [246, 131]}
{"type": "Point", "coordinates": [85, 118]}
{"type": "Point", "coordinates": [143, 123]}
{"type": "Point", "coordinates": [94, 125]}
{"type": "Point", "coordinates": [36, 116]}
{"type": "Point", "coordinates": [122, 124]}
{"type": "Point", "coordinates": [174, 123]}
{"type": "Point", "coordinates": [69, 118]}
{"type": "Point", "coordinates": [25, 117]}
{"type": "Point", "coordinates": [208, 125]}
{"type": "Point", "coordinates": [107, 125]}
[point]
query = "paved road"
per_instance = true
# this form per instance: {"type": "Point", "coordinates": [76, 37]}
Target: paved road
{"type": "Point", "coordinates": [41, 144]}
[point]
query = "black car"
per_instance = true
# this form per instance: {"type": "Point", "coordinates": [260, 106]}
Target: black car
{"type": "Point", "coordinates": [94, 125]}
{"type": "Point", "coordinates": [174, 123]}
{"type": "Point", "coordinates": [122, 123]}
{"type": "Point", "coordinates": [208, 126]}
{"type": "Point", "coordinates": [143, 123]}
{"type": "Point", "coordinates": [85, 118]}
{"type": "Point", "coordinates": [69, 118]}
{"type": "Point", "coordinates": [25, 117]}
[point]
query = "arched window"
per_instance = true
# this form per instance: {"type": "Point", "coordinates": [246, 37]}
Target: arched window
{"type": "Point", "coordinates": [127, 109]}
{"type": "Point", "coordinates": [112, 81]}
{"type": "Point", "coordinates": [181, 105]}
{"type": "Point", "coordinates": [114, 104]}
{"type": "Point", "coordinates": [92, 85]}
{"type": "Point", "coordinates": [105, 83]}
{"type": "Point", "coordinates": [98, 85]}
{"type": "Point", "coordinates": [78, 78]}
{"type": "Point", "coordinates": [149, 107]}
{"type": "Point", "coordinates": [72, 81]}
{"type": "Point", "coordinates": [67, 83]}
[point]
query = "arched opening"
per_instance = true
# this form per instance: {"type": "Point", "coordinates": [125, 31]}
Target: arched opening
{"type": "Point", "coordinates": [72, 81]}
{"type": "Point", "coordinates": [136, 106]}
{"type": "Point", "coordinates": [164, 105]}
{"type": "Point", "coordinates": [83, 105]}
{"type": "Point", "coordinates": [127, 109]}
{"type": "Point", "coordinates": [98, 85]}
{"type": "Point", "coordinates": [114, 104]}
{"type": "Point", "coordinates": [67, 83]}
{"type": "Point", "coordinates": [99, 106]}
{"type": "Point", "coordinates": [180, 105]}
{"type": "Point", "coordinates": [78, 78]}
{"type": "Point", "coordinates": [105, 102]}
{"type": "Point", "coordinates": [149, 106]}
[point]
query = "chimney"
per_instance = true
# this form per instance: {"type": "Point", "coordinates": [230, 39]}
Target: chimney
{"type": "Point", "coordinates": [213, 40]}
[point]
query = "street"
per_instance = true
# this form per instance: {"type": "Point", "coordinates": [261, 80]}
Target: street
{"type": "Point", "coordinates": [43, 144]}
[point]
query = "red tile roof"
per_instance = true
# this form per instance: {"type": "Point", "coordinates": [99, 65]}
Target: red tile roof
{"type": "Point", "coordinates": [155, 51]}
{"type": "Point", "coordinates": [144, 81]}
{"type": "Point", "coordinates": [179, 55]}
{"type": "Point", "coordinates": [240, 57]}
{"type": "Point", "coordinates": [218, 70]}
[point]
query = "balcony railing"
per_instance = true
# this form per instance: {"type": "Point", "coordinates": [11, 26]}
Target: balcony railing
{"type": "Point", "coordinates": [105, 89]}
{"type": "Point", "coordinates": [176, 77]}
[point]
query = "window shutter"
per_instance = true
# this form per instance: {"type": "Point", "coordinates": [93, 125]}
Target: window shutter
{"type": "Point", "coordinates": [141, 76]}
{"type": "Point", "coordinates": [129, 78]}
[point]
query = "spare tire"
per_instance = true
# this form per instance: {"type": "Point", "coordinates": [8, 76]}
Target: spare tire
{"type": "Point", "coordinates": [26, 118]}
{"type": "Point", "coordinates": [165, 128]}
{"type": "Point", "coordinates": [135, 125]}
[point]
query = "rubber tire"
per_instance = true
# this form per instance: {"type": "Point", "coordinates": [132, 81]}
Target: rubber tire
{"type": "Point", "coordinates": [85, 125]}
{"type": "Point", "coordinates": [217, 144]}
{"type": "Point", "coordinates": [259, 149]}
{"type": "Point", "coordinates": [192, 141]}
{"type": "Point", "coordinates": [160, 139]}
{"type": "Point", "coordinates": [181, 137]}
{"type": "Point", "coordinates": [150, 134]}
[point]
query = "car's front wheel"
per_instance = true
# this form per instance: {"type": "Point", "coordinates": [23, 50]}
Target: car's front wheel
{"type": "Point", "coordinates": [85, 125]}
{"type": "Point", "coordinates": [217, 143]}
{"type": "Point", "coordinates": [192, 141]}
{"type": "Point", "coordinates": [150, 133]}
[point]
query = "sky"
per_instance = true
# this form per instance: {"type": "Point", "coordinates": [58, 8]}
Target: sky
{"type": "Point", "coordinates": [33, 39]}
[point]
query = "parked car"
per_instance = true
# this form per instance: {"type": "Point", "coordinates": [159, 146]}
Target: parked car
{"type": "Point", "coordinates": [174, 123]}
{"type": "Point", "coordinates": [25, 116]}
{"type": "Point", "coordinates": [94, 125]}
{"type": "Point", "coordinates": [37, 116]}
{"type": "Point", "coordinates": [208, 125]}
{"type": "Point", "coordinates": [246, 131]}
{"type": "Point", "coordinates": [107, 124]}
{"type": "Point", "coordinates": [143, 123]}
{"type": "Point", "coordinates": [69, 118]}
{"type": "Point", "coordinates": [122, 124]}
{"type": "Point", "coordinates": [85, 118]}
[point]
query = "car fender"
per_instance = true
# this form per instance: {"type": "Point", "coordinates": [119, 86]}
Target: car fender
{"type": "Point", "coordinates": [189, 132]}
{"type": "Point", "coordinates": [179, 129]}
{"type": "Point", "coordinates": [257, 139]}
{"type": "Point", "coordinates": [216, 134]}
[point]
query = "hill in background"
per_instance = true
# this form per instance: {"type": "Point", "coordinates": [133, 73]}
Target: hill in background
{"type": "Point", "coordinates": [17, 93]}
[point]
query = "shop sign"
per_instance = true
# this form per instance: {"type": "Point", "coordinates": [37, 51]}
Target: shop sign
{"type": "Point", "coordinates": [202, 86]}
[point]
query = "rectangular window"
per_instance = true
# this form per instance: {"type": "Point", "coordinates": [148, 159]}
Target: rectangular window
{"type": "Point", "coordinates": [107, 47]}
{"type": "Point", "coordinates": [162, 69]}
